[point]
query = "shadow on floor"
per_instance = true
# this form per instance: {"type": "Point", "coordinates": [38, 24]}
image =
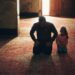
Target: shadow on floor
{"type": "Point", "coordinates": [52, 65]}
{"type": "Point", "coordinates": [4, 40]}
{"type": "Point", "coordinates": [67, 64]}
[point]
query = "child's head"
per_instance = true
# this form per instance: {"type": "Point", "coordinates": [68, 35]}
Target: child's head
{"type": "Point", "coordinates": [63, 31]}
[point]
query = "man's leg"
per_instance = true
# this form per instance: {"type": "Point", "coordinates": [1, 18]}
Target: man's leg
{"type": "Point", "coordinates": [36, 49]}
{"type": "Point", "coordinates": [47, 49]}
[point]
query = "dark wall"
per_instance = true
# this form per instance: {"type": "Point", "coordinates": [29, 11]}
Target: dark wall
{"type": "Point", "coordinates": [8, 16]}
{"type": "Point", "coordinates": [62, 8]}
{"type": "Point", "coordinates": [68, 8]}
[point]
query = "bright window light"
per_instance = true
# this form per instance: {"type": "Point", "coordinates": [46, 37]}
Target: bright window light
{"type": "Point", "coordinates": [45, 7]}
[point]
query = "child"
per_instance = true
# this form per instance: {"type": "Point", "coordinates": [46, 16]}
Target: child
{"type": "Point", "coordinates": [62, 41]}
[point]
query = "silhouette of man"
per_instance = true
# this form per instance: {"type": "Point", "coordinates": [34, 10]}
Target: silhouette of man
{"type": "Point", "coordinates": [44, 40]}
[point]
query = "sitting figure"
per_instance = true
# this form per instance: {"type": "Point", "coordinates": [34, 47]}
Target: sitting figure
{"type": "Point", "coordinates": [43, 40]}
{"type": "Point", "coordinates": [62, 41]}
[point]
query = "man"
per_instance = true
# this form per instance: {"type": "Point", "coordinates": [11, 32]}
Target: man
{"type": "Point", "coordinates": [44, 40]}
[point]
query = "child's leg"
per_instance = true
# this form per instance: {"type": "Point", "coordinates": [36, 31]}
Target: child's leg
{"type": "Point", "coordinates": [59, 49]}
{"type": "Point", "coordinates": [62, 49]}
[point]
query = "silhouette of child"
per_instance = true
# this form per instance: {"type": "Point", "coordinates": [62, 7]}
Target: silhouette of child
{"type": "Point", "coordinates": [62, 41]}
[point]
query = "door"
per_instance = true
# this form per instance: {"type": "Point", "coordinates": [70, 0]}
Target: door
{"type": "Point", "coordinates": [56, 7]}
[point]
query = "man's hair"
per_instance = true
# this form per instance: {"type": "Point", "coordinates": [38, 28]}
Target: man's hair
{"type": "Point", "coordinates": [42, 19]}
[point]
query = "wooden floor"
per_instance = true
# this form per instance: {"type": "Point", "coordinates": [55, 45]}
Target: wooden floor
{"type": "Point", "coordinates": [16, 57]}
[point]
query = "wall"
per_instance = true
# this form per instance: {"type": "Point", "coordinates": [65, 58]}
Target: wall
{"type": "Point", "coordinates": [8, 17]}
{"type": "Point", "coordinates": [8, 14]}
{"type": "Point", "coordinates": [68, 8]}
{"type": "Point", "coordinates": [55, 7]}
{"type": "Point", "coordinates": [29, 5]}
{"type": "Point", "coordinates": [62, 8]}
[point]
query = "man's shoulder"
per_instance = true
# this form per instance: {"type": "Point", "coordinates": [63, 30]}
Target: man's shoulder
{"type": "Point", "coordinates": [49, 23]}
{"type": "Point", "coordinates": [36, 23]}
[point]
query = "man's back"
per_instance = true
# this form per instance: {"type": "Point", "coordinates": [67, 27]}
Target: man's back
{"type": "Point", "coordinates": [44, 31]}
{"type": "Point", "coordinates": [44, 40]}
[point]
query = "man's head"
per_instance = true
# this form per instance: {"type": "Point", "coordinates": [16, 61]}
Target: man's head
{"type": "Point", "coordinates": [42, 19]}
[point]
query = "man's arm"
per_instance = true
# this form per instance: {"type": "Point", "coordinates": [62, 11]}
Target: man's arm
{"type": "Point", "coordinates": [33, 29]}
{"type": "Point", "coordinates": [54, 31]}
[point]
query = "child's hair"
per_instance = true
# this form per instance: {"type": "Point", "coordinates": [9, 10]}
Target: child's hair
{"type": "Point", "coordinates": [64, 31]}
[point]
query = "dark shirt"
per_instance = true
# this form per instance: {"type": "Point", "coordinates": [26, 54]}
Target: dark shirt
{"type": "Point", "coordinates": [44, 31]}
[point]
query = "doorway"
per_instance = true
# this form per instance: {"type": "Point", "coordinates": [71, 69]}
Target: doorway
{"type": "Point", "coordinates": [45, 7]}
{"type": "Point", "coordinates": [29, 9]}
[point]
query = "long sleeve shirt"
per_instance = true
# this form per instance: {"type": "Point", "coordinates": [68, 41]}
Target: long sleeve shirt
{"type": "Point", "coordinates": [44, 31]}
